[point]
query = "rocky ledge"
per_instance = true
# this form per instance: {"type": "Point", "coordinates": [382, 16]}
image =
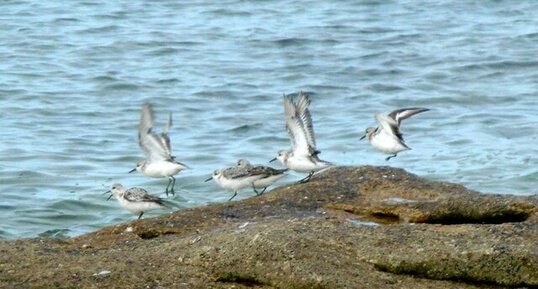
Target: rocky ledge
{"type": "Point", "coordinates": [349, 227]}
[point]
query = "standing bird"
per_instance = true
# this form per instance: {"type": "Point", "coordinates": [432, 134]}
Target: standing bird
{"type": "Point", "coordinates": [234, 178]}
{"type": "Point", "coordinates": [159, 162]}
{"type": "Point", "coordinates": [268, 175]}
{"type": "Point", "coordinates": [136, 200]}
{"type": "Point", "coordinates": [387, 137]}
{"type": "Point", "coordinates": [303, 157]}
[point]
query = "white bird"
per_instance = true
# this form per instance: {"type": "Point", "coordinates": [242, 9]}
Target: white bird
{"type": "Point", "coordinates": [303, 157]}
{"type": "Point", "coordinates": [387, 137]}
{"type": "Point", "coordinates": [268, 175]}
{"type": "Point", "coordinates": [234, 178]}
{"type": "Point", "coordinates": [136, 200]}
{"type": "Point", "coordinates": [159, 162]}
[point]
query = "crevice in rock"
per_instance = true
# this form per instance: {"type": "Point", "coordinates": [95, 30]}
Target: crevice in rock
{"type": "Point", "coordinates": [150, 234]}
{"type": "Point", "coordinates": [463, 279]}
{"type": "Point", "coordinates": [384, 217]}
{"type": "Point", "coordinates": [239, 278]}
{"type": "Point", "coordinates": [454, 219]}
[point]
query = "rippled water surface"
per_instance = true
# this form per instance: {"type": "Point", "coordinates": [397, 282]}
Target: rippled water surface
{"type": "Point", "coordinates": [74, 74]}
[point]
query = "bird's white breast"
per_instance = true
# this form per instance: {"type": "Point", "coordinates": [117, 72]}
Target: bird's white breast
{"type": "Point", "coordinates": [265, 182]}
{"type": "Point", "coordinates": [304, 164]}
{"type": "Point", "coordinates": [235, 184]}
{"type": "Point", "coordinates": [162, 169]}
{"type": "Point", "coordinates": [387, 143]}
{"type": "Point", "coordinates": [137, 207]}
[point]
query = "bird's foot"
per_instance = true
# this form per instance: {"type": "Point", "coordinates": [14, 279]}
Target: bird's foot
{"type": "Point", "coordinates": [235, 194]}
{"type": "Point", "coordinates": [255, 191]}
{"type": "Point", "coordinates": [306, 179]}
{"type": "Point", "coordinates": [390, 157]}
{"type": "Point", "coordinates": [259, 193]}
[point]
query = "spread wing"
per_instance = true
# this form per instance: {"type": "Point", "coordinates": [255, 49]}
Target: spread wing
{"type": "Point", "coordinates": [389, 125]}
{"type": "Point", "coordinates": [295, 125]}
{"type": "Point", "coordinates": [289, 114]}
{"type": "Point", "coordinates": [165, 139]}
{"type": "Point", "coordinates": [140, 195]}
{"type": "Point", "coordinates": [302, 104]}
{"type": "Point", "coordinates": [403, 113]}
{"type": "Point", "coordinates": [155, 146]}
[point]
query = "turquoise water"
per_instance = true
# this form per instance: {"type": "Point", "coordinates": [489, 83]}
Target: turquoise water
{"type": "Point", "coordinates": [74, 74]}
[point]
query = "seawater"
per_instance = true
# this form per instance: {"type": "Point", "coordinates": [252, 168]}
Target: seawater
{"type": "Point", "coordinates": [74, 75]}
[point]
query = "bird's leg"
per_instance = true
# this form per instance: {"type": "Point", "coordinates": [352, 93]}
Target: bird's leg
{"type": "Point", "coordinates": [173, 184]}
{"type": "Point", "coordinates": [167, 186]}
{"type": "Point", "coordinates": [235, 194]}
{"type": "Point", "coordinates": [255, 191]}
{"type": "Point", "coordinates": [263, 191]}
{"type": "Point", "coordinates": [258, 193]}
{"type": "Point", "coordinates": [140, 216]}
{"type": "Point", "coordinates": [390, 157]}
{"type": "Point", "coordinates": [307, 178]}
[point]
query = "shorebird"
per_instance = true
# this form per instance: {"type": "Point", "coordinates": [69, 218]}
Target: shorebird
{"type": "Point", "coordinates": [303, 157]}
{"type": "Point", "coordinates": [234, 178]}
{"type": "Point", "coordinates": [268, 175]}
{"type": "Point", "coordinates": [387, 137]}
{"type": "Point", "coordinates": [159, 162]}
{"type": "Point", "coordinates": [136, 200]}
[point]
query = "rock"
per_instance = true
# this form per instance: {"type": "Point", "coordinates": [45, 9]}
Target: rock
{"type": "Point", "coordinates": [349, 227]}
{"type": "Point", "coordinates": [102, 273]}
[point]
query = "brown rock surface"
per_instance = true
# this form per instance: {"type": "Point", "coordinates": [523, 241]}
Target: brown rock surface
{"type": "Point", "coordinates": [315, 235]}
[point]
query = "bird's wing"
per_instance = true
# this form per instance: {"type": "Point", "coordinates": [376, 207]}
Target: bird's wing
{"type": "Point", "coordinates": [146, 117]}
{"type": "Point", "coordinates": [302, 104]}
{"type": "Point", "coordinates": [152, 144]}
{"type": "Point", "coordinates": [294, 125]}
{"type": "Point", "coordinates": [165, 139]}
{"type": "Point", "coordinates": [140, 195]}
{"type": "Point", "coordinates": [389, 125]}
{"type": "Point", "coordinates": [265, 171]}
{"type": "Point", "coordinates": [289, 114]}
{"type": "Point", "coordinates": [403, 113]}
{"type": "Point", "coordinates": [236, 172]}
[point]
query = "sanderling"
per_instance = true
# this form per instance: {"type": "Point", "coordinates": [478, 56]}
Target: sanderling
{"type": "Point", "coordinates": [303, 157]}
{"type": "Point", "coordinates": [136, 200]}
{"type": "Point", "coordinates": [234, 178]}
{"type": "Point", "coordinates": [159, 162]}
{"type": "Point", "coordinates": [268, 175]}
{"type": "Point", "coordinates": [387, 137]}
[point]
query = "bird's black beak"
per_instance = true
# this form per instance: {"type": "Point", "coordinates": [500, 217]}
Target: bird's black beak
{"type": "Point", "coordinates": [272, 160]}
{"type": "Point", "coordinates": [132, 170]}
{"type": "Point", "coordinates": [362, 137]}
{"type": "Point", "coordinates": [210, 178]}
{"type": "Point", "coordinates": [109, 197]}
